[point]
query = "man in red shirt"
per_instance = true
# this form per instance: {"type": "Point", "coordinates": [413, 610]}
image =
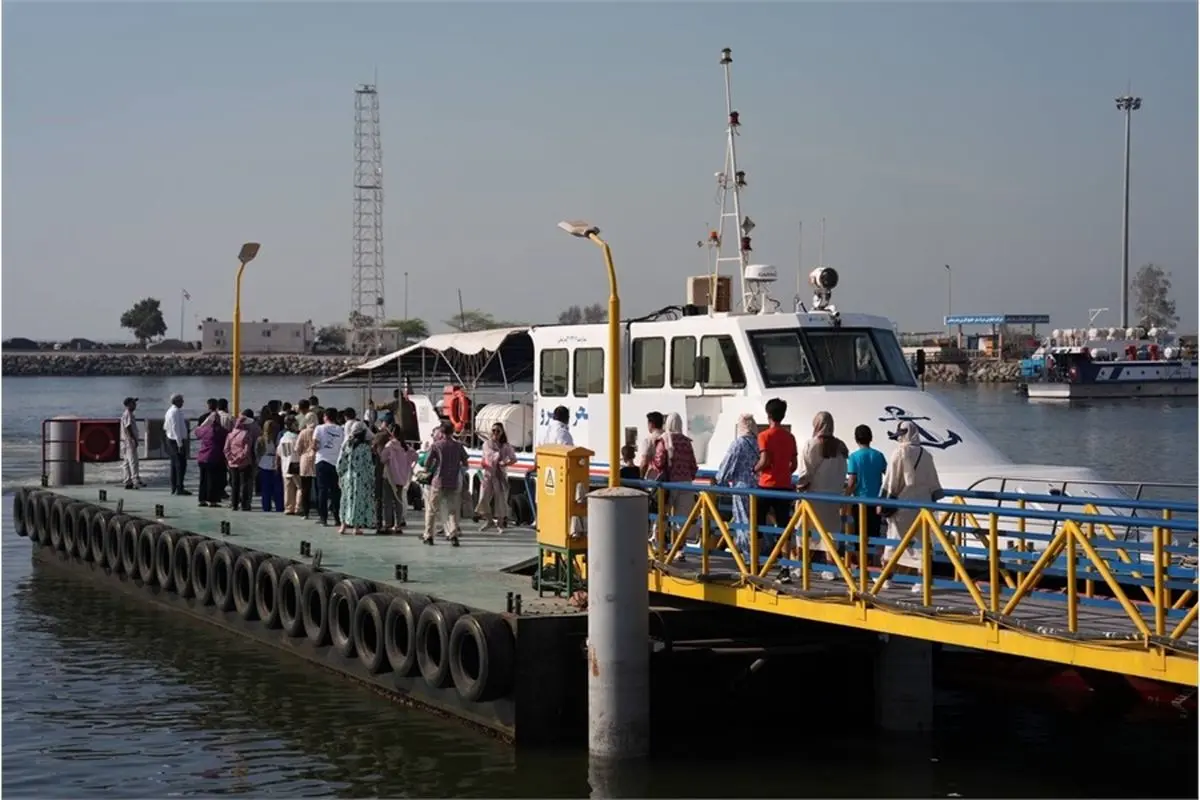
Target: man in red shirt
{"type": "Point", "coordinates": [777, 461]}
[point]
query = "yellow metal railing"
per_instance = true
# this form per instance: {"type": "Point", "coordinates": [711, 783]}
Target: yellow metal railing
{"type": "Point", "coordinates": [999, 587]}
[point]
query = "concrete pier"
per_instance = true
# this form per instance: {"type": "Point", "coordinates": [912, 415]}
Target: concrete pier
{"type": "Point", "coordinates": [904, 685]}
{"type": "Point", "coordinates": [618, 653]}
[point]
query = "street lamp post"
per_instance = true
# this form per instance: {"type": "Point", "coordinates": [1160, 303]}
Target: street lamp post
{"type": "Point", "coordinates": [584, 230]}
{"type": "Point", "coordinates": [248, 252]}
{"type": "Point", "coordinates": [1126, 104]}
{"type": "Point", "coordinates": [949, 296]}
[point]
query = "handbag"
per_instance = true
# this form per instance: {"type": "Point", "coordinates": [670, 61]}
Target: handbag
{"type": "Point", "coordinates": [293, 468]}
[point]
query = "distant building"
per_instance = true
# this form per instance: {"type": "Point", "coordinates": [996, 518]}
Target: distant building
{"type": "Point", "coordinates": [258, 338]}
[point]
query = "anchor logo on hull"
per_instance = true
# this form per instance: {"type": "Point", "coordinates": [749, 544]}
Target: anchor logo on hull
{"type": "Point", "coordinates": [898, 414]}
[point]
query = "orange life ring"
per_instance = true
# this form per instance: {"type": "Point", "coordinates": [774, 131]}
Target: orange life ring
{"type": "Point", "coordinates": [459, 410]}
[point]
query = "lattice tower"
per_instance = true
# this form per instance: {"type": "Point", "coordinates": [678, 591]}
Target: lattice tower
{"type": "Point", "coordinates": [366, 301]}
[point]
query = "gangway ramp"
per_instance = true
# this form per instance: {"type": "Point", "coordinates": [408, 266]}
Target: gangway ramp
{"type": "Point", "coordinates": [1110, 586]}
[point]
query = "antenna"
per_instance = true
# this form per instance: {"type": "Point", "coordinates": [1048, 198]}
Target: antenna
{"type": "Point", "coordinates": [730, 182]}
{"type": "Point", "coordinates": [366, 302]}
{"type": "Point", "coordinates": [821, 260]}
{"type": "Point", "coordinates": [799, 260]}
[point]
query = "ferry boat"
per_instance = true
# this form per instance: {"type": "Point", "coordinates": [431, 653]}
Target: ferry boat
{"type": "Point", "coordinates": [1074, 364]}
{"type": "Point", "coordinates": [710, 362]}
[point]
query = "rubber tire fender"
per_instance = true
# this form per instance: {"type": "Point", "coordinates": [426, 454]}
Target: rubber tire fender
{"type": "Point", "coordinates": [147, 553]}
{"type": "Point", "coordinates": [433, 642]}
{"type": "Point", "coordinates": [130, 534]}
{"type": "Point", "coordinates": [83, 531]}
{"type": "Point", "coordinates": [58, 520]}
{"type": "Point", "coordinates": [343, 603]}
{"type": "Point", "coordinates": [181, 563]}
{"type": "Point", "coordinates": [33, 508]}
{"type": "Point", "coordinates": [483, 656]}
{"type": "Point", "coordinates": [266, 590]}
{"type": "Point", "coordinates": [203, 555]}
{"type": "Point", "coordinates": [45, 504]}
{"type": "Point", "coordinates": [97, 531]}
{"type": "Point", "coordinates": [114, 534]}
{"type": "Point", "coordinates": [221, 576]}
{"type": "Point", "coordinates": [368, 628]}
{"type": "Point", "coordinates": [245, 573]}
{"type": "Point", "coordinates": [400, 632]}
{"type": "Point", "coordinates": [291, 599]}
{"type": "Point", "coordinates": [164, 558]}
{"type": "Point", "coordinates": [314, 608]}
{"type": "Point", "coordinates": [18, 511]}
{"type": "Point", "coordinates": [71, 526]}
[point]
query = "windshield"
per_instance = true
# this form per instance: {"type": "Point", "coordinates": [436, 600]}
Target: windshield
{"type": "Point", "coordinates": [833, 356]}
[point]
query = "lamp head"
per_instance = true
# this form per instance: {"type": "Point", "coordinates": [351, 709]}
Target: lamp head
{"type": "Point", "coordinates": [579, 228]}
{"type": "Point", "coordinates": [248, 252]}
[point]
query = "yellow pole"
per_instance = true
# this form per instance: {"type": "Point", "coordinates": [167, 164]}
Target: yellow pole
{"type": "Point", "coordinates": [614, 367]}
{"type": "Point", "coordinates": [236, 408]}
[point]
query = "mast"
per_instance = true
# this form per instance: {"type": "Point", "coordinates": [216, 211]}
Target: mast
{"type": "Point", "coordinates": [730, 182]}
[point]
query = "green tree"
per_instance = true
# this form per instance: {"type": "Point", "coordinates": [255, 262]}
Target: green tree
{"type": "Point", "coordinates": [358, 320]}
{"type": "Point", "coordinates": [475, 320]}
{"type": "Point", "coordinates": [409, 328]}
{"type": "Point", "coordinates": [145, 320]}
{"type": "Point", "coordinates": [571, 315]}
{"type": "Point", "coordinates": [1153, 306]}
{"type": "Point", "coordinates": [595, 313]}
{"type": "Point", "coordinates": [331, 336]}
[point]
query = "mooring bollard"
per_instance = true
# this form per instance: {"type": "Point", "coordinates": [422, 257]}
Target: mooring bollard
{"type": "Point", "coordinates": [103, 495]}
{"type": "Point", "coordinates": [618, 658]}
{"type": "Point", "coordinates": [159, 511]}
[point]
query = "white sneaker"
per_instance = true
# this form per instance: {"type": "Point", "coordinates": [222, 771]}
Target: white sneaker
{"type": "Point", "coordinates": [917, 588]}
{"type": "Point", "coordinates": [488, 526]}
{"type": "Point", "coordinates": [825, 576]}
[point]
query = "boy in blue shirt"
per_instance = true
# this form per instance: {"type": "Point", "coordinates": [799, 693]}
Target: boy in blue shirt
{"type": "Point", "coordinates": [864, 470]}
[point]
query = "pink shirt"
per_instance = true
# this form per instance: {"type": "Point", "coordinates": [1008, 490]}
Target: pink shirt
{"type": "Point", "coordinates": [399, 462]}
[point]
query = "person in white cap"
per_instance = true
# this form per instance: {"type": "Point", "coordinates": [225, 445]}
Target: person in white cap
{"type": "Point", "coordinates": [130, 470]}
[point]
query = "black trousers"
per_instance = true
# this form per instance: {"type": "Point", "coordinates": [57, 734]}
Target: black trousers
{"type": "Point", "coordinates": [212, 482]}
{"type": "Point", "coordinates": [177, 455]}
{"type": "Point", "coordinates": [241, 486]}
{"type": "Point", "coordinates": [329, 494]}
{"type": "Point", "coordinates": [306, 494]}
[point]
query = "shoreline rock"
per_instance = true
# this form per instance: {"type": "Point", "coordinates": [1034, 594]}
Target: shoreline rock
{"type": "Point", "coordinates": [83, 365]}
{"type": "Point", "coordinates": [974, 371]}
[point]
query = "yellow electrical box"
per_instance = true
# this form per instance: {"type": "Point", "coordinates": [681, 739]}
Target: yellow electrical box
{"type": "Point", "coordinates": [563, 482]}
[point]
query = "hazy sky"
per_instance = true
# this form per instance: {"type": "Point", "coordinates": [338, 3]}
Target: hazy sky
{"type": "Point", "coordinates": [143, 143]}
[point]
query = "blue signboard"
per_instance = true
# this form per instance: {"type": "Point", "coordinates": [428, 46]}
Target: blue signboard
{"type": "Point", "coordinates": [997, 319]}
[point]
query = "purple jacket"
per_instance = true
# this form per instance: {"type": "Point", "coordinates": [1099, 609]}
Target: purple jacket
{"type": "Point", "coordinates": [212, 444]}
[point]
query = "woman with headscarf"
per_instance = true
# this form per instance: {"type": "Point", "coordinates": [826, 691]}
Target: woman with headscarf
{"type": "Point", "coordinates": [270, 479]}
{"type": "Point", "coordinates": [211, 459]}
{"type": "Point", "coordinates": [498, 456]}
{"type": "Point", "coordinates": [680, 466]}
{"type": "Point", "coordinates": [911, 475]}
{"type": "Point", "coordinates": [306, 453]}
{"type": "Point", "coordinates": [737, 471]}
{"type": "Point", "coordinates": [823, 469]}
{"type": "Point", "coordinates": [356, 476]}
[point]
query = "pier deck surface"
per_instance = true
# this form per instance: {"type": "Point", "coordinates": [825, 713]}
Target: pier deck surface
{"type": "Point", "coordinates": [470, 574]}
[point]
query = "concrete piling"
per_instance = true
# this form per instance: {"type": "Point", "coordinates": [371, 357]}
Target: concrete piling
{"type": "Point", "coordinates": [618, 661]}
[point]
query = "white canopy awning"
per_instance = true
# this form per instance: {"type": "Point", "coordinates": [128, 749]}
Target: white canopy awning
{"type": "Point", "coordinates": [435, 357]}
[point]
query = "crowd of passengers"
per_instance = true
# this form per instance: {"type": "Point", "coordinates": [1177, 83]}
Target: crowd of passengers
{"type": "Point", "coordinates": [772, 459]}
{"type": "Point", "coordinates": [362, 473]}
{"type": "Point", "coordinates": [366, 473]}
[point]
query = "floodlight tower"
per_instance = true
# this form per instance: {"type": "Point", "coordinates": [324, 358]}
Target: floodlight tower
{"type": "Point", "coordinates": [366, 302]}
{"type": "Point", "coordinates": [1126, 104]}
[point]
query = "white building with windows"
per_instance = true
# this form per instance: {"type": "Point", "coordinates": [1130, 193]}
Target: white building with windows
{"type": "Point", "coordinates": [258, 338]}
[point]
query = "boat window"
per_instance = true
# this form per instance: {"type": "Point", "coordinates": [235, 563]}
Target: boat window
{"type": "Point", "coordinates": [893, 358]}
{"type": "Point", "coordinates": [846, 356]}
{"type": "Point", "coordinates": [724, 366]}
{"type": "Point", "coordinates": [649, 363]}
{"type": "Point", "coordinates": [553, 373]}
{"type": "Point", "coordinates": [781, 358]}
{"type": "Point", "coordinates": [683, 362]}
{"type": "Point", "coordinates": [589, 371]}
